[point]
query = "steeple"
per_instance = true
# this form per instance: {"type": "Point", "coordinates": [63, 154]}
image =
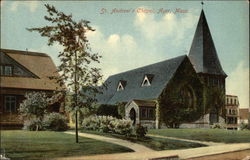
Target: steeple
{"type": "Point", "coordinates": [203, 54]}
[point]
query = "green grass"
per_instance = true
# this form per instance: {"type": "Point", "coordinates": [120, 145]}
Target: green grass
{"type": "Point", "coordinates": [157, 144]}
{"type": "Point", "coordinates": [214, 135]}
{"type": "Point", "coordinates": [46, 144]}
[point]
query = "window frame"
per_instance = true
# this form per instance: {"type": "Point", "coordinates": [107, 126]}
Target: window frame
{"type": "Point", "coordinates": [8, 108]}
{"type": "Point", "coordinates": [145, 113]}
{"type": "Point", "coordinates": [3, 70]}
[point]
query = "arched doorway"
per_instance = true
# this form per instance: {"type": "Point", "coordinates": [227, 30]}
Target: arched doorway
{"type": "Point", "coordinates": [132, 115]}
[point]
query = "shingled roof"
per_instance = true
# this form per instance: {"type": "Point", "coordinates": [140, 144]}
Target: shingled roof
{"type": "Point", "coordinates": [203, 54]}
{"type": "Point", "coordinates": [40, 64]}
{"type": "Point", "coordinates": [162, 71]}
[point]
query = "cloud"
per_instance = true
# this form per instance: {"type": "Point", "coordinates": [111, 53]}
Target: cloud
{"type": "Point", "coordinates": [120, 52]}
{"type": "Point", "coordinates": [32, 5]}
{"type": "Point", "coordinates": [169, 26]}
{"type": "Point", "coordinates": [237, 83]}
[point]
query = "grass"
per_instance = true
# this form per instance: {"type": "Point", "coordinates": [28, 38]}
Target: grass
{"type": "Point", "coordinates": [157, 144]}
{"type": "Point", "coordinates": [214, 135]}
{"type": "Point", "coordinates": [20, 144]}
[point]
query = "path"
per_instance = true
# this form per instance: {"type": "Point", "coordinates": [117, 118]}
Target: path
{"type": "Point", "coordinates": [134, 146]}
{"type": "Point", "coordinates": [183, 153]}
{"type": "Point", "coordinates": [187, 140]}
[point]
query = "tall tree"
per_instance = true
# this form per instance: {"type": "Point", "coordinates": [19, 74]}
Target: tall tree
{"type": "Point", "coordinates": [76, 69]}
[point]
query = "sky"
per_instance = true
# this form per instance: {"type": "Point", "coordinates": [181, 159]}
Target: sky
{"type": "Point", "coordinates": [131, 34]}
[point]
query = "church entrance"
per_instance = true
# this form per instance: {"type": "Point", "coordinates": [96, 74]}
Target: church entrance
{"type": "Point", "coordinates": [132, 115]}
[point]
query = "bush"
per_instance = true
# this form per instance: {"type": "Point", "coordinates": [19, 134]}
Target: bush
{"type": "Point", "coordinates": [55, 122]}
{"type": "Point", "coordinates": [121, 109]}
{"type": "Point", "coordinates": [108, 110]}
{"type": "Point", "coordinates": [217, 126]}
{"type": "Point", "coordinates": [244, 126]}
{"type": "Point", "coordinates": [33, 124]}
{"type": "Point", "coordinates": [122, 126]}
{"type": "Point", "coordinates": [108, 124]}
{"type": "Point", "coordinates": [140, 131]}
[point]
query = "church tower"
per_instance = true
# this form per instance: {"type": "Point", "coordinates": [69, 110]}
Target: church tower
{"type": "Point", "coordinates": [207, 65]}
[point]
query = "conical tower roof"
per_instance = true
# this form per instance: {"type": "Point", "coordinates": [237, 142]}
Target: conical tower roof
{"type": "Point", "coordinates": [203, 54]}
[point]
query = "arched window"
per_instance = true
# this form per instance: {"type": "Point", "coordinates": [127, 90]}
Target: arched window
{"type": "Point", "coordinates": [186, 96]}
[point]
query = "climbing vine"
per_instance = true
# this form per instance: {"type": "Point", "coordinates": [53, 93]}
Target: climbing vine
{"type": "Point", "coordinates": [175, 109]}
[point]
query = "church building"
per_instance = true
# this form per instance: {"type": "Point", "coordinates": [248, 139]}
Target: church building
{"type": "Point", "coordinates": [185, 91]}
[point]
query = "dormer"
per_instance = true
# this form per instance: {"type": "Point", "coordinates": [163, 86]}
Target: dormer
{"type": "Point", "coordinates": [147, 80]}
{"type": "Point", "coordinates": [121, 85]}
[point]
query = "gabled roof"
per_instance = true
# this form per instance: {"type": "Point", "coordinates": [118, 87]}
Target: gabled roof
{"type": "Point", "coordinates": [203, 54]}
{"type": "Point", "coordinates": [162, 71]}
{"type": "Point", "coordinates": [39, 64]}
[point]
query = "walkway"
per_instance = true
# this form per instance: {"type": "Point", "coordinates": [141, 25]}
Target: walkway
{"type": "Point", "coordinates": [134, 146]}
{"type": "Point", "coordinates": [187, 140]}
{"type": "Point", "coordinates": [183, 153]}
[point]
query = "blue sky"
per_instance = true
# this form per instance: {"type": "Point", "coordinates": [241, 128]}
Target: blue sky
{"type": "Point", "coordinates": [130, 40]}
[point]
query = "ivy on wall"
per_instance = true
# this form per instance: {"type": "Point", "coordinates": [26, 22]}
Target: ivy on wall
{"type": "Point", "coordinates": [175, 110]}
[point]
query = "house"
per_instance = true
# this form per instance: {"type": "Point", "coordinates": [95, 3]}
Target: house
{"type": "Point", "coordinates": [232, 112]}
{"type": "Point", "coordinates": [196, 81]}
{"type": "Point", "coordinates": [244, 115]}
{"type": "Point", "coordinates": [22, 72]}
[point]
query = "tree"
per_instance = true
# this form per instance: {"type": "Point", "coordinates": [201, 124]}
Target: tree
{"type": "Point", "coordinates": [34, 107]}
{"type": "Point", "coordinates": [76, 68]}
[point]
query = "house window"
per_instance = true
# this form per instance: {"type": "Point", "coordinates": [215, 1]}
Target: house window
{"type": "Point", "coordinates": [235, 102]}
{"type": "Point", "coordinates": [233, 112]}
{"type": "Point", "coordinates": [143, 113]}
{"type": "Point", "coordinates": [151, 113]}
{"type": "Point", "coordinates": [121, 85]}
{"type": "Point", "coordinates": [147, 113]}
{"type": "Point", "coordinates": [6, 70]}
{"type": "Point", "coordinates": [1, 70]}
{"type": "Point", "coordinates": [10, 104]}
{"type": "Point", "coordinates": [147, 80]}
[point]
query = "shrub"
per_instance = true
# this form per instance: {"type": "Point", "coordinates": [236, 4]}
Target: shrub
{"type": "Point", "coordinates": [121, 109]}
{"type": "Point", "coordinates": [243, 126]}
{"type": "Point", "coordinates": [55, 122]}
{"type": "Point", "coordinates": [91, 123]}
{"type": "Point", "coordinates": [108, 124]}
{"type": "Point", "coordinates": [33, 124]}
{"type": "Point", "coordinates": [217, 126]}
{"type": "Point", "coordinates": [140, 131]}
{"type": "Point", "coordinates": [122, 126]}
{"type": "Point", "coordinates": [108, 110]}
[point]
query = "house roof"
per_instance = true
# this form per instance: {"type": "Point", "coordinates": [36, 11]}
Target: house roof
{"type": "Point", "coordinates": [162, 71]}
{"type": "Point", "coordinates": [40, 64]}
{"type": "Point", "coordinates": [203, 54]}
{"type": "Point", "coordinates": [244, 113]}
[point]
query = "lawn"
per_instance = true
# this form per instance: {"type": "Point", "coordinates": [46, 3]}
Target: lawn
{"type": "Point", "coordinates": [46, 144]}
{"type": "Point", "coordinates": [157, 144]}
{"type": "Point", "coordinates": [214, 135]}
